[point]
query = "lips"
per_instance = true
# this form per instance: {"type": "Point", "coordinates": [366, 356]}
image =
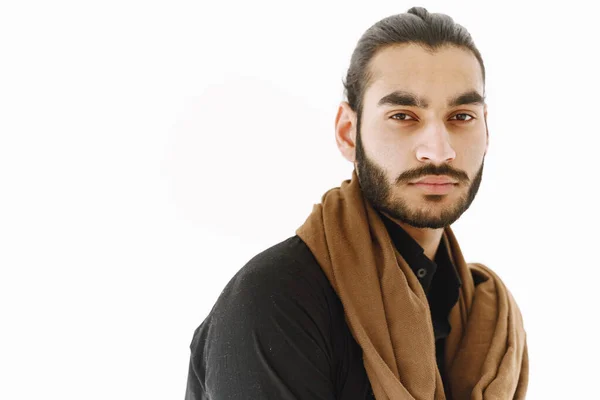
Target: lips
{"type": "Point", "coordinates": [435, 180]}
{"type": "Point", "coordinates": [435, 184]}
{"type": "Point", "coordinates": [444, 188]}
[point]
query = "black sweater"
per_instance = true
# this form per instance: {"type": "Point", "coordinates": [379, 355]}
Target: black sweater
{"type": "Point", "coordinates": [278, 330]}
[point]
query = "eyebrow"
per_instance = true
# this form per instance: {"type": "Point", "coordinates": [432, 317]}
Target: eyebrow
{"type": "Point", "coordinates": [407, 99]}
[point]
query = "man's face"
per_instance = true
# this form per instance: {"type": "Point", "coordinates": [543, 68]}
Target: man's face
{"type": "Point", "coordinates": [422, 119]}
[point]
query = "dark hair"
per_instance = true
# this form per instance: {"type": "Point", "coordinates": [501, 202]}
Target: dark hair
{"type": "Point", "coordinates": [417, 25]}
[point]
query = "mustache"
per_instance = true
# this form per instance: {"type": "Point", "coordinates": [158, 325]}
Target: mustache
{"type": "Point", "coordinates": [432, 169]}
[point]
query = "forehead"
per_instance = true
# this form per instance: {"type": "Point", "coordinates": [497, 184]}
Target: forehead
{"type": "Point", "coordinates": [435, 75]}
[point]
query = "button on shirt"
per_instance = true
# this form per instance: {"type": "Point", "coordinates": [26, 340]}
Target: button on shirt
{"type": "Point", "coordinates": [278, 329]}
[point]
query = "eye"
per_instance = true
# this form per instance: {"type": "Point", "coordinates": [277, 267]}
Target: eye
{"type": "Point", "coordinates": [402, 117]}
{"type": "Point", "coordinates": [465, 117]}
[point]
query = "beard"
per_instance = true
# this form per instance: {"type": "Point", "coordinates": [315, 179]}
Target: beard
{"type": "Point", "coordinates": [378, 191]}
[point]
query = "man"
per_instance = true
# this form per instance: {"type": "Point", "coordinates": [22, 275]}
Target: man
{"type": "Point", "coordinates": [372, 298]}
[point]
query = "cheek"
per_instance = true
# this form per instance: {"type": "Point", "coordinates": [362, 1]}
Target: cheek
{"type": "Point", "coordinates": [389, 141]}
{"type": "Point", "coordinates": [471, 156]}
{"type": "Point", "coordinates": [471, 146]}
{"type": "Point", "coordinates": [393, 156]}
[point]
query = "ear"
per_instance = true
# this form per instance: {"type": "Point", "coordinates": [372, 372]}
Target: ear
{"type": "Point", "coordinates": [487, 132]}
{"type": "Point", "coordinates": [345, 131]}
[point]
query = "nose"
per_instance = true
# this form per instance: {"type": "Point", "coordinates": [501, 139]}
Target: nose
{"type": "Point", "coordinates": [434, 146]}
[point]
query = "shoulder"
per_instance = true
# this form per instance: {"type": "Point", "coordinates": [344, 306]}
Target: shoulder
{"type": "Point", "coordinates": [280, 298]}
{"type": "Point", "coordinates": [482, 273]}
{"type": "Point", "coordinates": [286, 270]}
{"type": "Point", "coordinates": [286, 262]}
{"type": "Point", "coordinates": [479, 272]}
{"type": "Point", "coordinates": [282, 281]}
{"type": "Point", "coordinates": [273, 315]}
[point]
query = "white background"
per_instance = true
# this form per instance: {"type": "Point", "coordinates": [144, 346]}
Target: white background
{"type": "Point", "coordinates": [149, 149]}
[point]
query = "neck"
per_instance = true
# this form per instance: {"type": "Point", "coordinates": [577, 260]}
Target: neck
{"type": "Point", "coordinates": [429, 239]}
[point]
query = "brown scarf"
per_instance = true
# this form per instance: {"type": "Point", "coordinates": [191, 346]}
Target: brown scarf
{"type": "Point", "coordinates": [388, 312]}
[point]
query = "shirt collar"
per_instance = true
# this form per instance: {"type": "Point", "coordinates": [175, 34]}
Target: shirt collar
{"type": "Point", "coordinates": [414, 255]}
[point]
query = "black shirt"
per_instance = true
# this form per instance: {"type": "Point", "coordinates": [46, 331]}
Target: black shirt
{"type": "Point", "coordinates": [278, 329]}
